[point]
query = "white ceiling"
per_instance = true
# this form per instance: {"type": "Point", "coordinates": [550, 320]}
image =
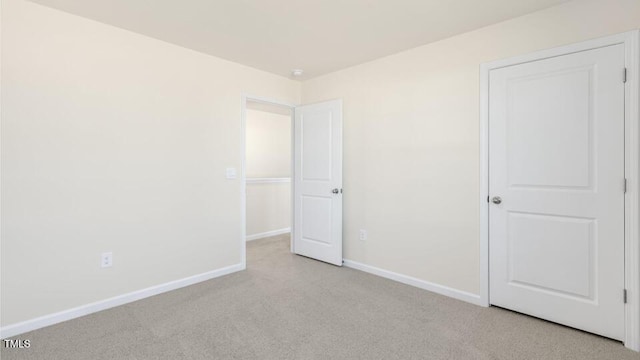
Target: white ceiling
{"type": "Point", "coordinates": [319, 36]}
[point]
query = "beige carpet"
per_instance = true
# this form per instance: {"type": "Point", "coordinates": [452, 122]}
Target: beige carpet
{"type": "Point", "coordinates": [290, 307]}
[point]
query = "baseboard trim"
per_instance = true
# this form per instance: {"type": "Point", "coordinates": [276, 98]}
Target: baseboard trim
{"type": "Point", "coordinates": [55, 318]}
{"type": "Point", "coordinates": [429, 286]}
{"type": "Point", "coordinates": [268, 233]}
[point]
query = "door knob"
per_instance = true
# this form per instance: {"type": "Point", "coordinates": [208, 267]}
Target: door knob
{"type": "Point", "coordinates": [496, 200]}
{"type": "Point", "coordinates": [335, 191]}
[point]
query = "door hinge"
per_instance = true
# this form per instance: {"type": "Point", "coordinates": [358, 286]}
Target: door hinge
{"type": "Point", "coordinates": [487, 199]}
{"type": "Point", "coordinates": [625, 185]}
{"type": "Point", "coordinates": [624, 75]}
{"type": "Point", "coordinates": [624, 295]}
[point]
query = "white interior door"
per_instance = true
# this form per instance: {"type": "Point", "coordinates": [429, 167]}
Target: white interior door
{"type": "Point", "coordinates": [317, 229]}
{"type": "Point", "coordinates": [556, 182]}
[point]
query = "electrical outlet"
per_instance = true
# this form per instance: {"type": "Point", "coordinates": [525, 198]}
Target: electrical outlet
{"type": "Point", "coordinates": [106, 260]}
{"type": "Point", "coordinates": [363, 234]}
{"type": "Point", "coordinates": [231, 173]}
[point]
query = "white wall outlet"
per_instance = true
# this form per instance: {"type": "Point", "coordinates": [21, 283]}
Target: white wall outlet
{"type": "Point", "coordinates": [231, 173]}
{"type": "Point", "coordinates": [363, 234]}
{"type": "Point", "coordinates": [106, 260]}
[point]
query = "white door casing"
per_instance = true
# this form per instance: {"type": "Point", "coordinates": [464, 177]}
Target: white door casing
{"type": "Point", "coordinates": [317, 229]}
{"type": "Point", "coordinates": [556, 160]}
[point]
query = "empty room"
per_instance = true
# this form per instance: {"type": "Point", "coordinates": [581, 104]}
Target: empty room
{"type": "Point", "coordinates": [320, 179]}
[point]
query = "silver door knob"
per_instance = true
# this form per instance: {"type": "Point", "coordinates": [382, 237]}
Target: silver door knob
{"type": "Point", "coordinates": [496, 200]}
{"type": "Point", "coordinates": [335, 191]}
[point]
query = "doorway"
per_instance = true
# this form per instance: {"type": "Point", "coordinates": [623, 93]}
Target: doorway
{"type": "Point", "coordinates": [313, 179]}
{"type": "Point", "coordinates": [267, 169]}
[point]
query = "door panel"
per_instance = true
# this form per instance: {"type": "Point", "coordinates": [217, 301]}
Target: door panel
{"type": "Point", "coordinates": [569, 269]}
{"type": "Point", "coordinates": [318, 210]}
{"type": "Point", "coordinates": [536, 138]}
{"type": "Point", "coordinates": [556, 160]}
{"type": "Point", "coordinates": [318, 171]}
{"type": "Point", "coordinates": [316, 146]}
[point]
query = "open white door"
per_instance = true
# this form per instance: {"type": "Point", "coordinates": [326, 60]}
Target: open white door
{"type": "Point", "coordinates": [556, 179]}
{"type": "Point", "coordinates": [317, 218]}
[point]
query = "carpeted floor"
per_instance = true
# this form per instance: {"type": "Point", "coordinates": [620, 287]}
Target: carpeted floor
{"type": "Point", "coordinates": [290, 307]}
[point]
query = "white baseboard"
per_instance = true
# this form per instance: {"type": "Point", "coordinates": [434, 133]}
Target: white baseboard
{"type": "Point", "coordinates": [439, 289]}
{"type": "Point", "coordinates": [55, 318]}
{"type": "Point", "coordinates": [268, 233]}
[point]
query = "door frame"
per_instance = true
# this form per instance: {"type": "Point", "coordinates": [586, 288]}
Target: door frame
{"type": "Point", "coordinates": [243, 175]}
{"type": "Point", "coordinates": [631, 41]}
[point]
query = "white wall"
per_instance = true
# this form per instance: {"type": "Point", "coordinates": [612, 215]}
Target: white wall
{"type": "Point", "coordinates": [268, 145]}
{"type": "Point", "coordinates": [411, 135]}
{"type": "Point", "coordinates": [268, 209]}
{"type": "Point", "coordinates": [112, 141]}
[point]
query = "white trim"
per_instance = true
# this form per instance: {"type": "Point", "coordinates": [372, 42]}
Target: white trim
{"type": "Point", "coordinates": [631, 40]}
{"type": "Point", "coordinates": [292, 205]}
{"type": "Point", "coordinates": [268, 180]}
{"type": "Point", "coordinates": [484, 185]}
{"type": "Point", "coordinates": [408, 280]}
{"type": "Point", "coordinates": [632, 197]}
{"type": "Point", "coordinates": [243, 173]}
{"type": "Point", "coordinates": [268, 101]}
{"type": "Point", "coordinates": [55, 318]}
{"type": "Point", "coordinates": [268, 234]}
{"type": "Point", "coordinates": [243, 181]}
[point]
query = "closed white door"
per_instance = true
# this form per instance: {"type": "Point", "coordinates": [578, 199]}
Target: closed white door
{"type": "Point", "coordinates": [317, 225]}
{"type": "Point", "coordinates": [556, 183]}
